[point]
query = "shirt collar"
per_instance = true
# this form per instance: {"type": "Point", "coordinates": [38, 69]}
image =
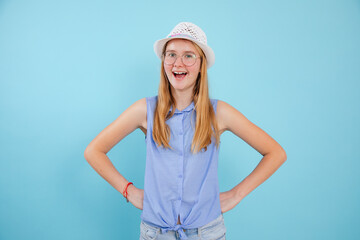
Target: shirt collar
{"type": "Point", "coordinates": [187, 109]}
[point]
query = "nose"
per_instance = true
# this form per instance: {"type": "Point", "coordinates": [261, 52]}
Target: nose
{"type": "Point", "coordinates": [178, 61]}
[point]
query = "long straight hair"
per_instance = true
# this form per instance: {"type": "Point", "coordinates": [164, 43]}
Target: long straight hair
{"type": "Point", "coordinates": [206, 124]}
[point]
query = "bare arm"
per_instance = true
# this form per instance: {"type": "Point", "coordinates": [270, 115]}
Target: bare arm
{"type": "Point", "coordinates": [95, 153]}
{"type": "Point", "coordinates": [273, 154]}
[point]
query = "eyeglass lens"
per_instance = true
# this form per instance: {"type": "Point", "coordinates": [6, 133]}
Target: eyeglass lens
{"type": "Point", "coordinates": [187, 59]}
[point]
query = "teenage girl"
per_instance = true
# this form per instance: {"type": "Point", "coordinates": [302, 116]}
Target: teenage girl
{"type": "Point", "coordinates": [182, 127]}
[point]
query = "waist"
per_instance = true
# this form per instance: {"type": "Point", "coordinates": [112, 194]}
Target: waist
{"type": "Point", "coordinates": [216, 221]}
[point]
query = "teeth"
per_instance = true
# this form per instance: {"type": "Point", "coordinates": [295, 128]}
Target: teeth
{"type": "Point", "coordinates": [180, 72]}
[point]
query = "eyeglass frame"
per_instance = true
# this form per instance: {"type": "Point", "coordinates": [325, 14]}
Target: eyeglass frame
{"type": "Point", "coordinates": [196, 57]}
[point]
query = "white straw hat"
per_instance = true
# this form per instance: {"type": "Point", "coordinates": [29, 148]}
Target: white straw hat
{"type": "Point", "coordinates": [190, 31]}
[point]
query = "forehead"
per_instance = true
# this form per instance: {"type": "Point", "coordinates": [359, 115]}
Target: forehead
{"type": "Point", "coordinates": [181, 45]}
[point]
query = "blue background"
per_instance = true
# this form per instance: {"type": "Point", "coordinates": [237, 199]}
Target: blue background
{"type": "Point", "coordinates": [70, 68]}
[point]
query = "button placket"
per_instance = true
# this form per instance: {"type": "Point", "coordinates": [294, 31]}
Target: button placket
{"type": "Point", "coordinates": [181, 132]}
{"type": "Point", "coordinates": [181, 159]}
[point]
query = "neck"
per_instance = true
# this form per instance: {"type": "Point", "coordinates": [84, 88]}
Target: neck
{"type": "Point", "coordinates": [183, 99]}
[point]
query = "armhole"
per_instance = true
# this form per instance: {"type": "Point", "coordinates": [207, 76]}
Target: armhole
{"type": "Point", "coordinates": [149, 116]}
{"type": "Point", "coordinates": [215, 108]}
{"type": "Point", "coordinates": [147, 121]}
{"type": "Point", "coordinates": [214, 103]}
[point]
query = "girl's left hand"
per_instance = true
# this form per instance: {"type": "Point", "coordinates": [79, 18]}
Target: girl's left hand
{"type": "Point", "coordinates": [136, 196]}
{"type": "Point", "coordinates": [228, 201]}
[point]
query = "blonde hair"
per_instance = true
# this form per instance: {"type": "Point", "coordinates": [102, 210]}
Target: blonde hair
{"type": "Point", "coordinates": [206, 124]}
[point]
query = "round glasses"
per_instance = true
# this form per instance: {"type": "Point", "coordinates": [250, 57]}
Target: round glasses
{"type": "Point", "coordinates": [188, 59]}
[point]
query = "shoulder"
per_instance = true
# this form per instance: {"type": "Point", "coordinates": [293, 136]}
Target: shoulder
{"type": "Point", "coordinates": [233, 120]}
{"type": "Point", "coordinates": [222, 105]}
{"type": "Point", "coordinates": [214, 102]}
{"type": "Point", "coordinates": [140, 104]}
{"type": "Point", "coordinates": [139, 107]}
{"type": "Point", "coordinates": [151, 100]}
{"type": "Point", "coordinates": [219, 104]}
{"type": "Point", "coordinates": [143, 106]}
{"type": "Point", "coordinates": [226, 114]}
{"type": "Point", "coordinates": [138, 111]}
{"type": "Point", "coordinates": [148, 101]}
{"type": "Point", "coordinates": [220, 108]}
{"type": "Point", "coordinates": [143, 102]}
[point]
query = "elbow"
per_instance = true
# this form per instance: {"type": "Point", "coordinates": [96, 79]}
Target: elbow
{"type": "Point", "coordinates": [91, 154]}
{"type": "Point", "coordinates": [279, 154]}
{"type": "Point", "coordinates": [283, 155]}
{"type": "Point", "coordinates": [88, 153]}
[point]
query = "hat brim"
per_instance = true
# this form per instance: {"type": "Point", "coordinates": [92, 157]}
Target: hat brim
{"type": "Point", "coordinates": [209, 53]}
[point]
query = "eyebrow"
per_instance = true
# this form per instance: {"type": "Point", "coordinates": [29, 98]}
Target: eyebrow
{"type": "Point", "coordinates": [176, 51]}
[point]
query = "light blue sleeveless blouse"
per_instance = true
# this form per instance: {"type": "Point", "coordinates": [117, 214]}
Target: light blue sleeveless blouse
{"type": "Point", "coordinates": [178, 182]}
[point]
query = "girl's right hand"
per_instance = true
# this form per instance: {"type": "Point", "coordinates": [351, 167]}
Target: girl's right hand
{"type": "Point", "coordinates": [136, 196]}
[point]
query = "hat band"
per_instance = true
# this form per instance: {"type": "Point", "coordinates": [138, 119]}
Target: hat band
{"type": "Point", "coordinates": [181, 34]}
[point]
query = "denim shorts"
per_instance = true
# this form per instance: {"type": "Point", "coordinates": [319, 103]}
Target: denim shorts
{"type": "Point", "coordinates": [214, 230]}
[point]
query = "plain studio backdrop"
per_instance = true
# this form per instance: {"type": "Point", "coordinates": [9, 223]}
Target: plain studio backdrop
{"type": "Point", "coordinates": [70, 68]}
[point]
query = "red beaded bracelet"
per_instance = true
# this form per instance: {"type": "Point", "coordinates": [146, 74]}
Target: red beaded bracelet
{"type": "Point", "coordinates": [125, 193]}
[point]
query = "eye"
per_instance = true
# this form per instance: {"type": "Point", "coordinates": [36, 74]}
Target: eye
{"type": "Point", "coordinates": [171, 54]}
{"type": "Point", "coordinates": [190, 56]}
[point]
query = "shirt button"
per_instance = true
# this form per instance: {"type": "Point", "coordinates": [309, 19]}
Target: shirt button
{"type": "Point", "coordinates": [180, 133]}
{"type": "Point", "coordinates": [180, 176]}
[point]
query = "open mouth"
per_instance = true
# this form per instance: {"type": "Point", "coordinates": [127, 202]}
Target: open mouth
{"type": "Point", "coordinates": [179, 75]}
